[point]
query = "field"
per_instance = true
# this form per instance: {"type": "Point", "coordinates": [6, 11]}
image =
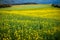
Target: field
{"type": "Point", "coordinates": [30, 22]}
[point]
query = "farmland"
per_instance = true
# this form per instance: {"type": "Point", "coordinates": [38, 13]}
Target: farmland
{"type": "Point", "coordinates": [30, 22]}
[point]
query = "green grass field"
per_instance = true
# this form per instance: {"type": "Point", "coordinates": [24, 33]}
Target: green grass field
{"type": "Point", "coordinates": [30, 22]}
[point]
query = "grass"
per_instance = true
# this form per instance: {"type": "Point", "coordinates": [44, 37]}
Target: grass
{"type": "Point", "coordinates": [29, 7]}
{"type": "Point", "coordinates": [30, 22]}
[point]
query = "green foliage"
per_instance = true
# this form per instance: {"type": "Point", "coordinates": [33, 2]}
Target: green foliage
{"type": "Point", "coordinates": [19, 27]}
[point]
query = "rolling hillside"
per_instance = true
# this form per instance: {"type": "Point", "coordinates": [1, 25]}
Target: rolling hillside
{"type": "Point", "coordinates": [30, 22]}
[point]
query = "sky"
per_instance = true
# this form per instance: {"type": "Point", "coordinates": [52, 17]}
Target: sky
{"type": "Point", "coordinates": [29, 1]}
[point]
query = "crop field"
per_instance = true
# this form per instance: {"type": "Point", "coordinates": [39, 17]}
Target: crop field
{"type": "Point", "coordinates": [30, 22]}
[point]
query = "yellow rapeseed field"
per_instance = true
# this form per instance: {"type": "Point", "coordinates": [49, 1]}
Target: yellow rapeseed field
{"type": "Point", "coordinates": [30, 24]}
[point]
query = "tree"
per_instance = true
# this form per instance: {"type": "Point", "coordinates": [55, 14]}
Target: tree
{"type": "Point", "coordinates": [5, 5]}
{"type": "Point", "coordinates": [56, 5]}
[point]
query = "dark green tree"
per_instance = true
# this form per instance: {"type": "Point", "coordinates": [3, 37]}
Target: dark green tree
{"type": "Point", "coordinates": [2, 5]}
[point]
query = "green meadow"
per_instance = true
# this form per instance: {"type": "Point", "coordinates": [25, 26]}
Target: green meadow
{"type": "Point", "coordinates": [30, 22]}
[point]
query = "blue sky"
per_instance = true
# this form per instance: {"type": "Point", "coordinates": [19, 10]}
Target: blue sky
{"type": "Point", "coordinates": [27, 1]}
